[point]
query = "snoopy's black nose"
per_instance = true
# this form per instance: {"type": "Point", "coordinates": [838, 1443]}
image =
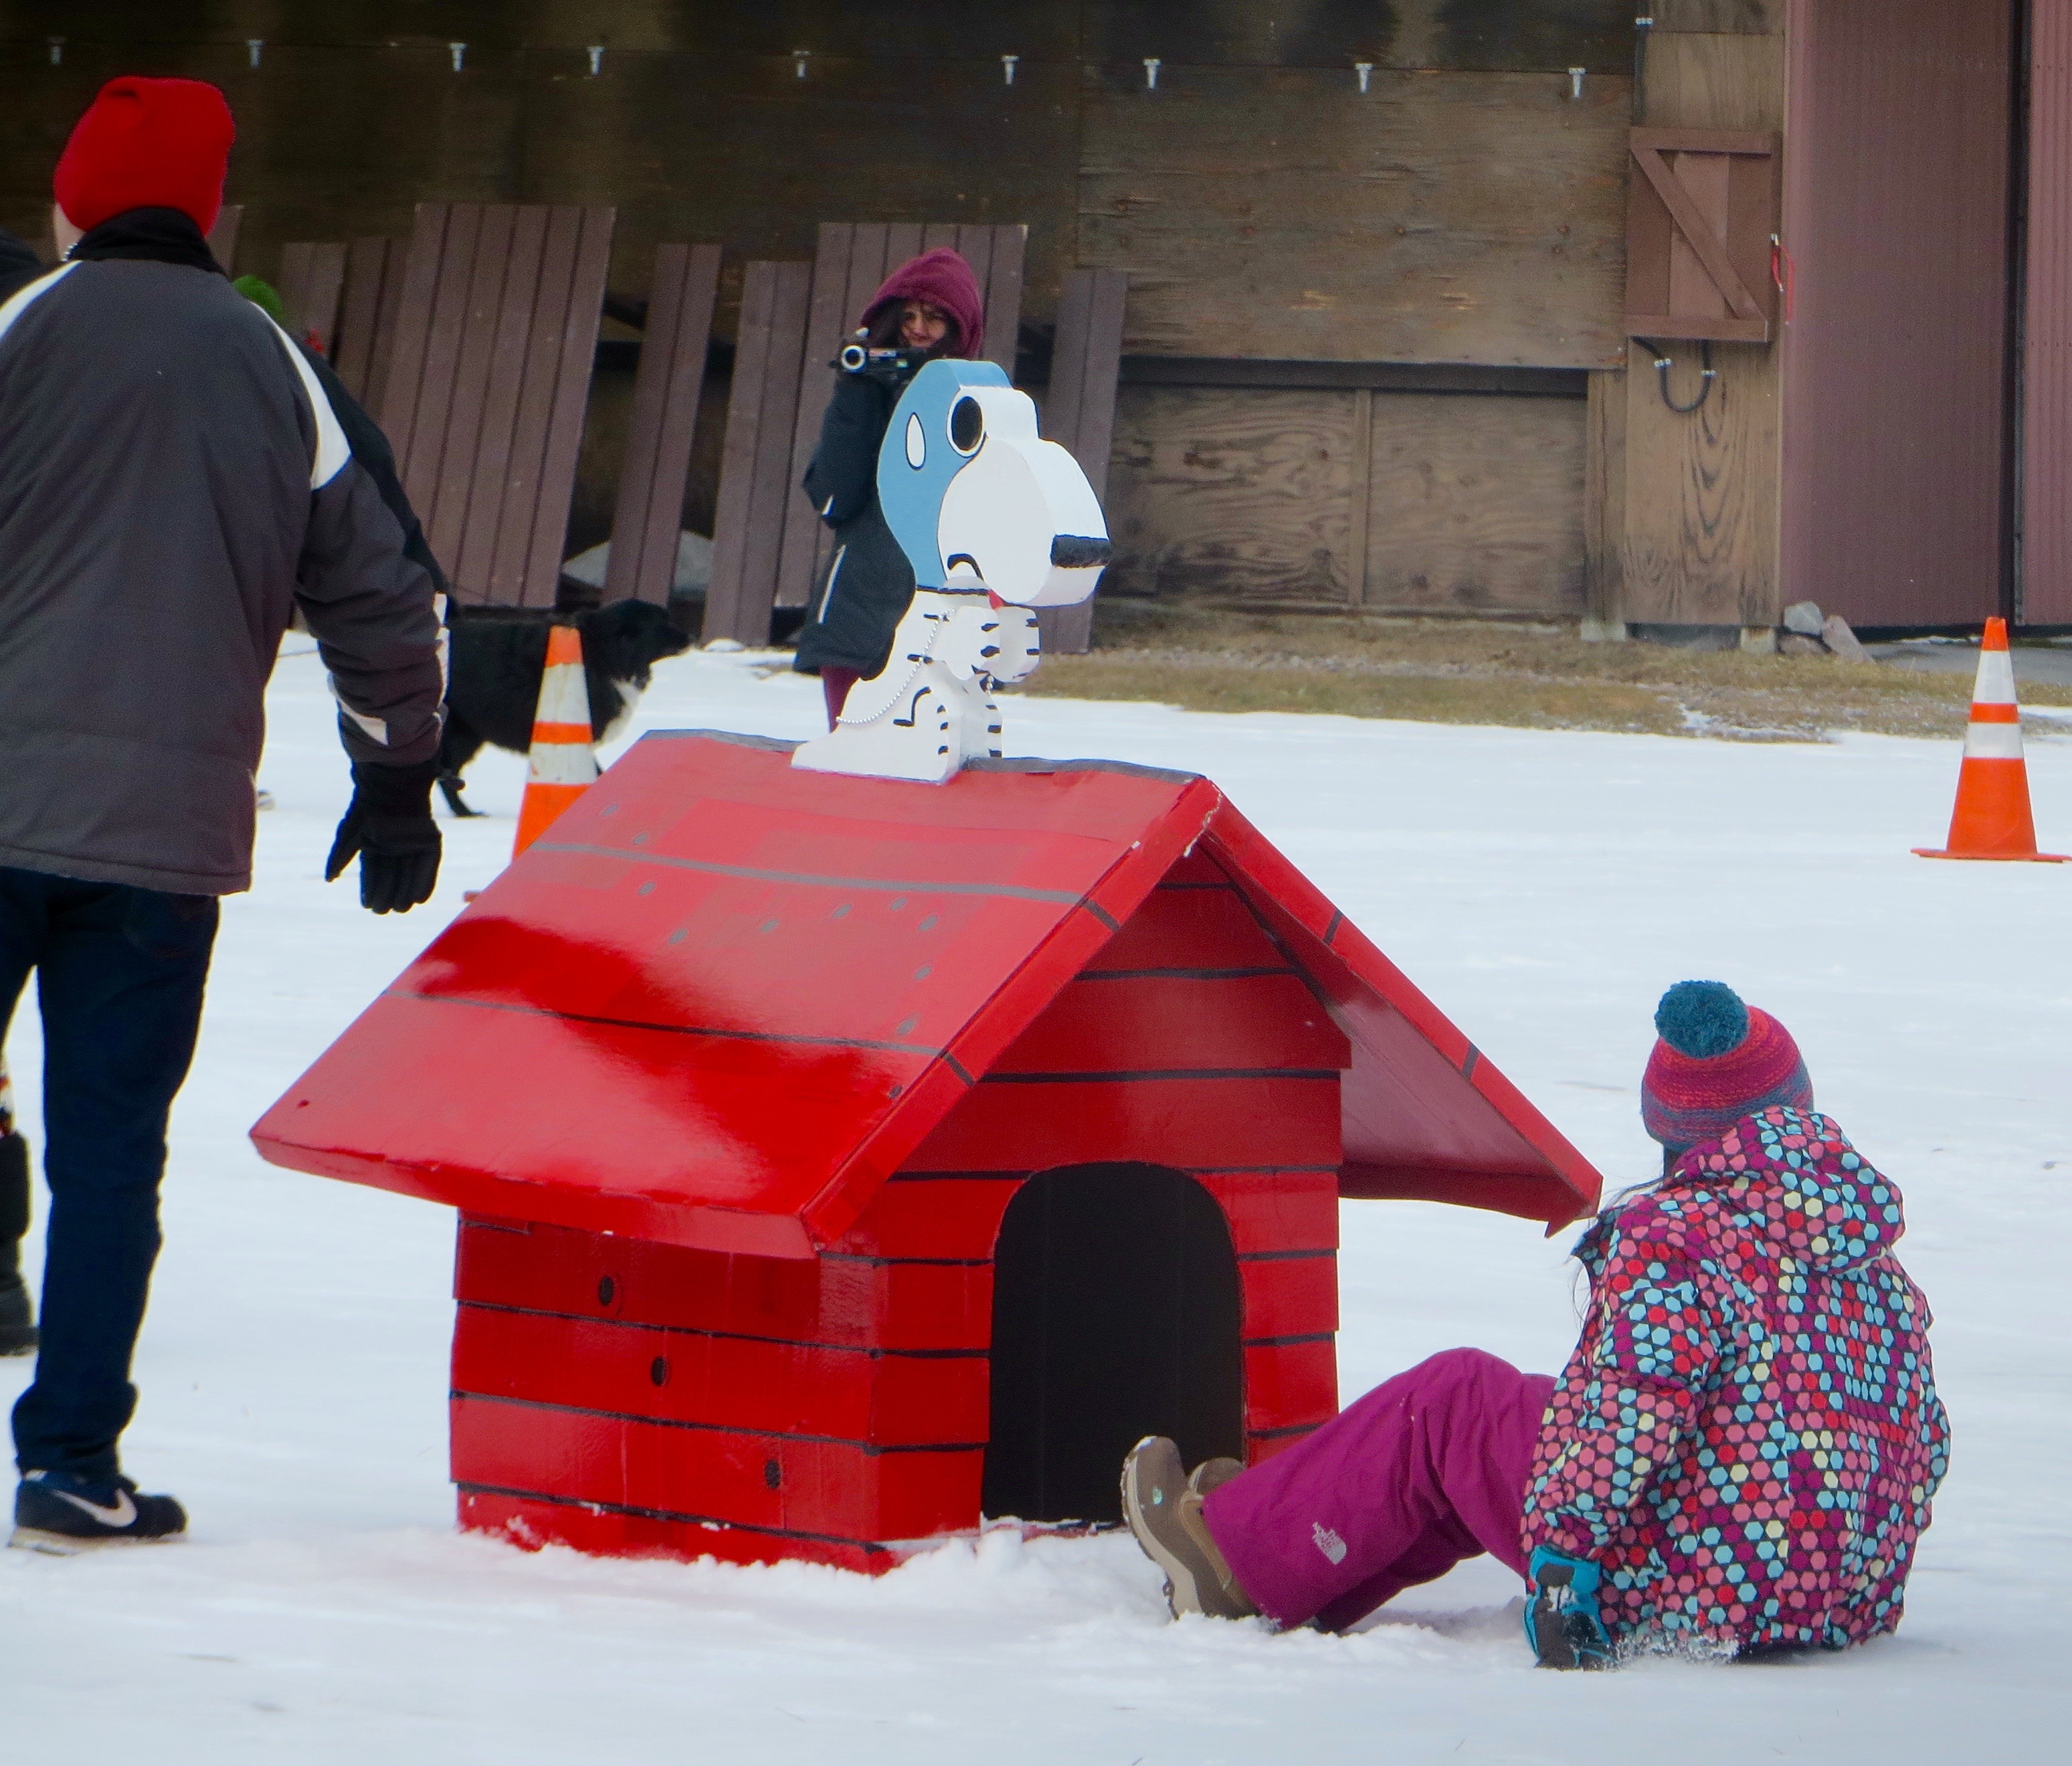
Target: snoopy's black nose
{"type": "Point", "coordinates": [1076, 551]}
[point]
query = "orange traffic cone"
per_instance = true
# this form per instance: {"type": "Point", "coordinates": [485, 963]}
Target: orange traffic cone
{"type": "Point", "coordinates": [562, 765]}
{"type": "Point", "coordinates": [1991, 819]}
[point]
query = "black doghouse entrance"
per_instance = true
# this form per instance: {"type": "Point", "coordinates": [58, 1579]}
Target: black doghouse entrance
{"type": "Point", "coordinates": [1115, 1315]}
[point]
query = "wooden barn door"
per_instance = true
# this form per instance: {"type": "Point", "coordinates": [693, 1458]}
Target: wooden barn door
{"type": "Point", "coordinates": [1897, 161]}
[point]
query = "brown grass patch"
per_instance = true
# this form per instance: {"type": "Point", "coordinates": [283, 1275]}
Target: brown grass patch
{"type": "Point", "coordinates": [1531, 676]}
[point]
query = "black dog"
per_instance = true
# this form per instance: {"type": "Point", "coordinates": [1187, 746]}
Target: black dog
{"type": "Point", "coordinates": [499, 655]}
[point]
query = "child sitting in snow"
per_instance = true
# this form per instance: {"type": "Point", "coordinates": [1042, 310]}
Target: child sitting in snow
{"type": "Point", "coordinates": [1741, 1455]}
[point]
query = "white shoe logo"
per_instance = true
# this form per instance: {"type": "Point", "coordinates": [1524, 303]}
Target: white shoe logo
{"type": "Point", "coordinates": [1328, 1542]}
{"type": "Point", "coordinates": [123, 1513]}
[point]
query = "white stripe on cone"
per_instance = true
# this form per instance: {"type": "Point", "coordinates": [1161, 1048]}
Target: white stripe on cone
{"type": "Point", "coordinates": [565, 695]}
{"type": "Point", "coordinates": [563, 763]}
{"type": "Point", "coordinates": [1992, 741]}
{"type": "Point", "coordinates": [1996, 682]}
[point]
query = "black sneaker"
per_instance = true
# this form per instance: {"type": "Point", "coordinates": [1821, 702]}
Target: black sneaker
{"type": "Point", "coordinates": [58, 1513]}
{"type": "Point", "coordinates": [17, 1316]}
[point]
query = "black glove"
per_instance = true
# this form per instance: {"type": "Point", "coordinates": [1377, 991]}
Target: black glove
{"type": "Point", "coordinates": [390, 824]}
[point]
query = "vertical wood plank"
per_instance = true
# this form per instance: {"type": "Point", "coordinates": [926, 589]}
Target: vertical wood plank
{"type": "Point", "coordinates": [526, 468]}
{"type": "Point", "coordinates": [1003, 295]}
{"type": "Point", "coordinates": [1357, 538]}
{"type": "Point", "coordinates": [577, 356]}
{"type": "Point", "coordinates": [312, 274]}
{"type": "Point", "coordinates": [411, 337]}
{"type": "Point", "coordinates": [316, 310]}
{"type": "Point", "coordinates": [504, 326]}
{"type": "Point", "coordinates": [1079, 413]}
{"type": "Point", "coordinates": [1062, 401]}
{"type": "Point", "coordinates": [475, 338]}
{"type": "Point", "coordinates": [974, 245]}
{"type": "Point", "coordinates": [360, 304]}
{"type": "Point", "coordinates": [387, 312]}
{"type": "Point", "coordinates": [1604, 504]}
{"type": "Point", "coordinates": [776, 494]}
{"type": "Point", "coordinates": [731, 610]}
{"type": "Point", "coordinates": [435, 389]}
{"type": "Point", "coordinates": [1100, 368]}
{"type": "Point", "coordinates": [666, 395]}
{"type": "Point", "coordinates": [902, 239]}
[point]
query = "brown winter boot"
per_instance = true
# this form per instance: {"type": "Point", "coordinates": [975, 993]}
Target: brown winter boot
{"type": "Point", "coordinates": [1165, 1516]}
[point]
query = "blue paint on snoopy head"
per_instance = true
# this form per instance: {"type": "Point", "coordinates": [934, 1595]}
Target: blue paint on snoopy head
{"type": "Point", "coordinates": [976, 499]}
{"type": "Point", "coordinates": [920, 455]}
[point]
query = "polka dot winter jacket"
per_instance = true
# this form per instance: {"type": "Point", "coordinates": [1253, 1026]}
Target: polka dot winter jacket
{"type": "Point", "coordinates": [1748, 1437]}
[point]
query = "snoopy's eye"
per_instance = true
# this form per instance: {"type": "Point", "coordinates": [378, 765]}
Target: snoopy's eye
{"type": "Point", "coordinates": [917, 442]}
{"type": "Point", "coordinates": [967, 426]}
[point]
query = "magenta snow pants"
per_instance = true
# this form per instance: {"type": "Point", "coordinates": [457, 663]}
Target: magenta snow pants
{"type": "Point", "coordinates": [1427, 1469]}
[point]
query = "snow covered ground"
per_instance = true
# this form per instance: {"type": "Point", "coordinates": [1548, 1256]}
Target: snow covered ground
{"type": "Point", "coordinates": [1542, 888]}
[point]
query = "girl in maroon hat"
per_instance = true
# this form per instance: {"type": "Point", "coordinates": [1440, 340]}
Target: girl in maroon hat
{"type": "Point", "coordinates": [1740, 1456]}
{"type": "Point", "coordinates": [928, 307]}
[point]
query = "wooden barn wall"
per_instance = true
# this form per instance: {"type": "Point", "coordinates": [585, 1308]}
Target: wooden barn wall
{"type": "Point", "coordinates": [1347, 499]}
{"type": "Point", "coordinates": [1466, 209]}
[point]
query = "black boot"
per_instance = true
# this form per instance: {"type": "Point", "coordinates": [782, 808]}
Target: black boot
{"type": "Point", "coordinates": [17, 1315]}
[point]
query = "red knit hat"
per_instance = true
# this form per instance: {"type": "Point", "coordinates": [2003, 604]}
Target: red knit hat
{"type": "Point", "coordinates": [147, 144]}
{"type": "Point", "coordinates": [1717, 1061]}
{"type": "Point", "coordinates": [943, 279]}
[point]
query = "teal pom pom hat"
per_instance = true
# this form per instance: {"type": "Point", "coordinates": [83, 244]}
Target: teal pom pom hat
{"type": "Point", "coordinates": [1716, 1060]}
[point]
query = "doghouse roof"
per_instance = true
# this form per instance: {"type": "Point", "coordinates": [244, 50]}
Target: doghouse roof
{"type": "Point", "coordinates": [723, 999]}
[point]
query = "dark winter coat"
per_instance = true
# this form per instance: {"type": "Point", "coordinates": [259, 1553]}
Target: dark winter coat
{"type": "Point", "coordinates": [174, 483]}
{"type": "Point", "coordinates": [1747, 1438]}
{"type": "Point", "coordinates": [864, 591]}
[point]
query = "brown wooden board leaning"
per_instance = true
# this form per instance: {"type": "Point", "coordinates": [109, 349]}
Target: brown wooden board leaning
{"type": "Point", "coordinates": [496, 334]}
{"type": "Point", "coordinates": [649, 514]}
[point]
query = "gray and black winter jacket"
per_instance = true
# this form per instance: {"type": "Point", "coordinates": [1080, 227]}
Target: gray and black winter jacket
{"type": "Point", "coordinates": [174, 483]}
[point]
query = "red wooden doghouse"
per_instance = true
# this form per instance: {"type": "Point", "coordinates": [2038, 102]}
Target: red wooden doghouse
{"type": "Point", "coordinates": [840, 1159]}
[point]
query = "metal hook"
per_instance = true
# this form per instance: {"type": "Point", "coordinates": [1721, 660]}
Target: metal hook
{"type": "Point", "coordinates": [1007, 67]}
{"type": "Point", "coordinates": [596, 53]}
{"type": "Point", "coordinates": [253, 46]}
{"type": "Point", "coordinates": [799, 60]}
{"type": "Point", "coordinates": [459, 53]}
{"type": "Point", "coordinates": [1576, 82]}
{"type": "Point", "coordinates": [1365, 70]}
{"type": "Point", "coordinates": [1151, 66]}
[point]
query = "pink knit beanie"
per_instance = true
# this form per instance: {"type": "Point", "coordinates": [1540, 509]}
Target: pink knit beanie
{"type": "Point", "coordinates": [1717, 1060]}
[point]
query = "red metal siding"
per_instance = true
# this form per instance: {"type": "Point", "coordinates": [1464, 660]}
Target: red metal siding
{"type": "Point", "coordinates": [1895, 198]}
{"type": "Point", "coordinates": [2045, 590]}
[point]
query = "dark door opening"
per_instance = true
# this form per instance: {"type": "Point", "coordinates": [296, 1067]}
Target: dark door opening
{"type": "Point", "coordinates": [1115, 1315]}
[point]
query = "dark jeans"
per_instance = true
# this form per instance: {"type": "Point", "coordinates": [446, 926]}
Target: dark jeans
{"type": "Point", "coordinates": [120, 973]}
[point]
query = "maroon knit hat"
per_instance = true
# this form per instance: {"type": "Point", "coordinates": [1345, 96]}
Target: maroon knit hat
{"type": "Point", "coordinates": [147, 144]}
{"type": "Point", "coordinates": [1716, 1060]}
{"type": "Point", "coordinates": [944, 279]}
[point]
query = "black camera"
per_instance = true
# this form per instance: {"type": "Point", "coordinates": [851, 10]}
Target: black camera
{"type": "Point", "coordinates": [888, 367]}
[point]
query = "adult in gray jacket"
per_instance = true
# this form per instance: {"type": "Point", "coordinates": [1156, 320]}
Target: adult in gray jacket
{"type": "Point", "coordinates": [173, 485]}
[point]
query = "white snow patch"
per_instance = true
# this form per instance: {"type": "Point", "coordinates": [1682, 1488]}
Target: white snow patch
{"type": "Point", "coordinates": [1544, 888]}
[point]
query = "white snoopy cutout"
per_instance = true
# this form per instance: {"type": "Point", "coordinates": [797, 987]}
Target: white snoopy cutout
{"type": "Point", "coordinates": [995, 520]}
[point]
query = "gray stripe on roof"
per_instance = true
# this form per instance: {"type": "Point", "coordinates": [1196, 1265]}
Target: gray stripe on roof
{"type": "Point", "coordinates": [755, 874]}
